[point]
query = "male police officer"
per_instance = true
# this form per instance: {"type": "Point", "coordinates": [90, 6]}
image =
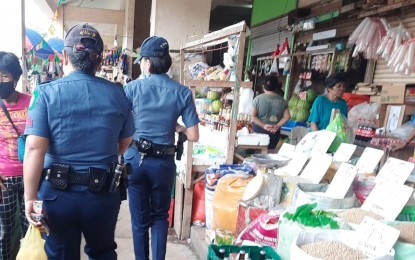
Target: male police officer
{"type": "Point", "coordinates": [81, 123]}
{"type": "Point", "coordinates": [157, 103]}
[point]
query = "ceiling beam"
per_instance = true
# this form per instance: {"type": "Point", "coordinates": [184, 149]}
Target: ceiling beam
{"type": "Point", "coordinates": [93, 15]}
{"type": "Point", "coordinates": [48, 7]}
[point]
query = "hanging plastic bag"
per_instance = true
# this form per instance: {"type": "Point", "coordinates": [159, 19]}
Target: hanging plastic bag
{"type": "Point", "coordinates": [344, 133]}
{"type": "Point", "coordinates": [285, 50]}
{"type": "Point", "coordinates": [274, 67]}
{"type": "Point", "coordinates": [32, 246]}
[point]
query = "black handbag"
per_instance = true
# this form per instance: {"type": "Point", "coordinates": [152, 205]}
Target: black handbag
{"type": "Point", "coordinates": [21, 139]}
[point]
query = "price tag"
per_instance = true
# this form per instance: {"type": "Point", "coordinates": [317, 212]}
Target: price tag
{"type": "Point", "coordinates": [388, 200]}
{"type": "Point", "coordinates": [294, 167]}
{"type": "Point", "coordinates": [316, 142]}
{"type": "Point", "coordinates": [344, 152]}
{"type": "Point", "coordinates": [369, 159]}
{"type": "Point", "coordinates": [325, 138]}
{"type": "Point", "coordinates": [286, 150]}
{"type": "Point", "coordinates": [394, 171]}
{"type": "Point", "coordinates": [375, 238]}
{"type": "Point", "coordinates": [341, 182]}
{"type": "Point", "coordinates": [317, 168]}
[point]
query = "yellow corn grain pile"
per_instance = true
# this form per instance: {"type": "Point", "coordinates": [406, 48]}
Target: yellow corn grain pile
{"type": "Point", "coordinates": [331, 250]}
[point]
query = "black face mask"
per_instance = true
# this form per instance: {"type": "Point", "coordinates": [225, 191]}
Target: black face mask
{"type": "Point", "coordinates": [6, 89]}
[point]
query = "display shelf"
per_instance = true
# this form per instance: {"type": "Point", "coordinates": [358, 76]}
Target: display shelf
{"type": "Point", "coordinates": [185, 189]}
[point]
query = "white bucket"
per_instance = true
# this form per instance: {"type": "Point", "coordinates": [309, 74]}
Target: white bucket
{"type": "Point", "coordinates": [209, 207]}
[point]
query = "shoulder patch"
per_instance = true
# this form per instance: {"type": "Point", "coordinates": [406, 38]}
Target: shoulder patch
{"type": "Point", "coordinates": [33, 99]}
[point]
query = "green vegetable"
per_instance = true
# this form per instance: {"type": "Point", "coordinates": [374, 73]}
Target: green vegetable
{"type": "Point", "coordinates": [305, 215]}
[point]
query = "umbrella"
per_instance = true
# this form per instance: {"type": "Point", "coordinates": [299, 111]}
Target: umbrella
{"type": "Point", "coordinates": [36, 43]}
{"type": "Point", "coordinates": [56, 44]}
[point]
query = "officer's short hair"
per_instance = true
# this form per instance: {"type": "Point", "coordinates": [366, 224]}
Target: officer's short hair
{"type": "Point", "coordinates": [9, 63]}
{"type": "Point", "coordinates": [160, 65]}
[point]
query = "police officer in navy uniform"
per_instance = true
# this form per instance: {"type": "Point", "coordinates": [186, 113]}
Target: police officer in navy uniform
{"type": "Point", "coordinates": [76, 128]}
{"type": "Point", "coordinates": [157, 103]}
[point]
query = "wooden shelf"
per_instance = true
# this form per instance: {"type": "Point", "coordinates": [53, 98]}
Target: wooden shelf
{"type": "Point", "coordinates": [217, 83]}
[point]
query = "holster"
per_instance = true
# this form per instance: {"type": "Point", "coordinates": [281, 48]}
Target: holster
{"type": "Point", "coordinates": [59, 175]}
{"type": "Point", "coordinates": [97, 179]}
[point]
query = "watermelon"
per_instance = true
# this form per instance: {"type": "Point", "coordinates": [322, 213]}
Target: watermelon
{"type": "Point", "coordinates": [311, 95]}
{"type": "Point", "coordinates": [293, 102]}
{"type": "Point", "coordinates": [293, 113]}
{"type": "Point", "coordinates": [303, 105]}
{"type": "Point", "coordinates": [212, 95]}
{"type": "Point", "coordinates": [216, 106]}
{"type": "Point", "coordinates": [302, 115]}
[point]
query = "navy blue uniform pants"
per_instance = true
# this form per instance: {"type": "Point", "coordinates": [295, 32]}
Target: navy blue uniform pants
{"type": "Point", "coordinates": [78, 211]}
{"type": "Point", "coordinates": [149, 195]}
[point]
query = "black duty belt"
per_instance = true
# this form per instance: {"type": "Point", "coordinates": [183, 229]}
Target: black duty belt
{"type": "Point", "coordinates": [157, 150]}
{"type": "Point", "coordinates": [76, 177]}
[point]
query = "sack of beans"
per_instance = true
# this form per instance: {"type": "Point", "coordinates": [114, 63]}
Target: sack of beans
{"type": "Point", "coordinates": [329, 245]}
{"type": "Point", "coordinates": [315, 193]}
{"type": "Point", "coordinates": [305, 217]}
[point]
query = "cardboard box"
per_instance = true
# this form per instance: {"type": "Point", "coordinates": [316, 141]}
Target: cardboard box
{"type": "Point", "coordinates": [375, 99]}
{"type": "Point", "coordinates": [393, 94]}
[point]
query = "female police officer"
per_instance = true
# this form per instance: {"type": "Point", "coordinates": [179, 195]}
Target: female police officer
{"type": "Point", "coordinates": [81, 123]}
{"type": "Point", "coordinates": [157, 102]}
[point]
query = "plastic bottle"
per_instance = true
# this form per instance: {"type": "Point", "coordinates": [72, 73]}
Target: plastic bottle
{"type": "Point", "coordinates": [221, 254]}
{"type": "Point", "coordinates": [262, 255]}
{"type": "Point", "coordinates": [242, 255]}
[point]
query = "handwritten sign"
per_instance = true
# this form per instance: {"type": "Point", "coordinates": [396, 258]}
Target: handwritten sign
{"type": "Point", "coordinates": [341, 182]}
{"type": "Point", "coordinates": [388, 200]}
{"type": "Point", "coordinates": [315, 143]}
{"type": "Point", "coordinates": [344, 152]}
{"type": "Point", "coordinates": [317, 168]}
{"type": "Point", "coordinates": [325, 138]}
{"type": "Point", "coordinates": [286, 150]}
{"type": "Point", "coordinates": [375, 238]}
{"type": "Point", "coordinates": [394, 171]}
{"type": "Point", "coordinates": [369, 159]}
{"type": "Point", "coordinates": [294, 167]}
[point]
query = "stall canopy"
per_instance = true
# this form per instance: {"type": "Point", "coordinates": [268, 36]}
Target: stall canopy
{"type": "Point", "coordinates": [36, 43]}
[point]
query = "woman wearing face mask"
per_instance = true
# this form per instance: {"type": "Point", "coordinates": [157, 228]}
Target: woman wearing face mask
{"type": "Point", "coordinates": [321, 110]}
{"type": "Point", "coordinates": [11, 169]}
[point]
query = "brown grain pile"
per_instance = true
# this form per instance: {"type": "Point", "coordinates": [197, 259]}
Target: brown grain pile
{"type": "Point", "coordinates": [407, 234]}
{"type": "Point", "coordinates": [356, 215]}
{"type": "Point", "coordinates": [331, 250]}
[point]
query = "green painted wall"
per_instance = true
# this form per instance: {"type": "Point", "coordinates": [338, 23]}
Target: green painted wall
{"type": "Point", "coordinates": [264, 10]}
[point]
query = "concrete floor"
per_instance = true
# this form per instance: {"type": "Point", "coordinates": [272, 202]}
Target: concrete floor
{"type": "Point", "coordinates": [176, 249]}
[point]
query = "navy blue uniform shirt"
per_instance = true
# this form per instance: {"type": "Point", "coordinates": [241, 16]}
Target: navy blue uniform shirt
{"type": "Point", "coordinates": [157, 102]}
{"type": "Point", "coordinates": [83, 117]}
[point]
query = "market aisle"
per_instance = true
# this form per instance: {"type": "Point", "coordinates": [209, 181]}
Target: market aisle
{"type": "Point", "coordinates": [176, 249]}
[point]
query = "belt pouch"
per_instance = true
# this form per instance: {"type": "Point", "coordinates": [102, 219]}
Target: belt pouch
{"type": "Point", "coordinates": [97, 179]}
{"type": "Point", "coordinates": [59, 175]}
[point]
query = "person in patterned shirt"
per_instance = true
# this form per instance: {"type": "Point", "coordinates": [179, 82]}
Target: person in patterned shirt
{"type": "Point", "coordinates": [11, 169]}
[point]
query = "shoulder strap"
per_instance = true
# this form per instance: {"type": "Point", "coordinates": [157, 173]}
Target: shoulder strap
{"type": "Point", "coordinates": [3, 106]}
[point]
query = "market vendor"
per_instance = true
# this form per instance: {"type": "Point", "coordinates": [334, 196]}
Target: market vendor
{"type": "Point", "coordinates": [321, 110]}
{"type": "Point", "coordinates": [270, 111]}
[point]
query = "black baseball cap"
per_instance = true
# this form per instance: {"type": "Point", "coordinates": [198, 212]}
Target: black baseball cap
{"type": "Point", "coordinates": [153, 46]}
{"type": "Point", "coordinates": [84, 31]}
